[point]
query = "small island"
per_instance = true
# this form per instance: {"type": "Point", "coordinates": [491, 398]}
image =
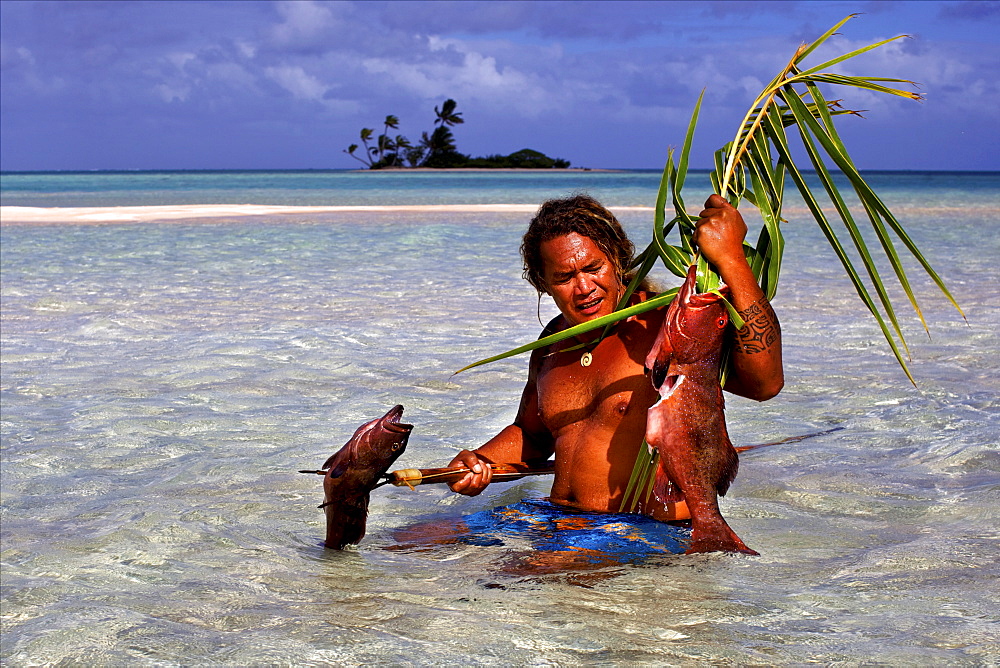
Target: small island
{"type": "Point", "coordinates": [437, 150]}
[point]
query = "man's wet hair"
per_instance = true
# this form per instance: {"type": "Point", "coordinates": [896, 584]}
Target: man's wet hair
{"type": "Point", "coordinates": [585, 216]}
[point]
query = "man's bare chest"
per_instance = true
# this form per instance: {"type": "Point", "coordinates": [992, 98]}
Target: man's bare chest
{"type": "Point", "coordinates": [599, 395]}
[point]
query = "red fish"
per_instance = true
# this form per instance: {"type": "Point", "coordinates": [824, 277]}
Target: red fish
{"type": "Point", "coordinates": [355, 470]}
{"type": "Point", "coordinates": [688, 424]}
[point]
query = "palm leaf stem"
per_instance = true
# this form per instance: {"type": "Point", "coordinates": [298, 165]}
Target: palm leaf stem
{"type": "Point", "coordinates": [641, 479]}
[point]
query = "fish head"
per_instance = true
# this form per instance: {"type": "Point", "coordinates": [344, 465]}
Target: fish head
{"type": "Point", "coordinates": [372, 450]}
{"type": "Point", "coordinates": [696, 321]}
{"type": "Point", "coordinates": [380, 442]}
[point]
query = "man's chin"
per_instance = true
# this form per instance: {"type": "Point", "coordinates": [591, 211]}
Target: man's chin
{"type": "Point", "coordinates": [578, 318]}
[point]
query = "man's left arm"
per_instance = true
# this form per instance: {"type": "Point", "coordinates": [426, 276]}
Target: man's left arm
{"type": "Point", "coordinates": [756, 350]}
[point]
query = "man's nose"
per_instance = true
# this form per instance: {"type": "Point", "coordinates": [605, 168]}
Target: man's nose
{"type": "Point", "coordinates": [583, 285]}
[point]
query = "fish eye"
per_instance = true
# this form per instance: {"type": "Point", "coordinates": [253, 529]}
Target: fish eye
{"type": "Point", "coordinates": [722, 322]}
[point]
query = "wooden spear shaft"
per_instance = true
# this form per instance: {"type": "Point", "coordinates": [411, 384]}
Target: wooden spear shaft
{"type": "Point", "coordinates": [501, 472]}
{"type": "Point", "coordinates": [518, 470]}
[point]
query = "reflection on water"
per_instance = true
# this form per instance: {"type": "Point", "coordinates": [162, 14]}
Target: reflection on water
{"type": "Point", "coordinates": [161, 386]}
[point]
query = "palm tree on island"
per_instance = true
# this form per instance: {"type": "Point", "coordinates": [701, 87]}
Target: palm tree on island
{"type": "Point", "coordinates": [447, 115]}
{"type": "Point", "coordinates": [438, 149]}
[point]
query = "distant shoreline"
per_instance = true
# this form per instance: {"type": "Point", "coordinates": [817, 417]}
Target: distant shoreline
{"type": "Point", "coordinates": [571, 170]}
{"type": "Point", "coordinates": [532, 170]}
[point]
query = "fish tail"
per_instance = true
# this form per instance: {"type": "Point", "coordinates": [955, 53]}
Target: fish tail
{"type": "Point", "coordinates": [721, 542]}
{"type": "Point", "coordinates": [713, 534]}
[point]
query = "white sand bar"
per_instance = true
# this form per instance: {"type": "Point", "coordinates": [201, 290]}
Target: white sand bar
{"type": "Point", "coordinates": [27, 215]}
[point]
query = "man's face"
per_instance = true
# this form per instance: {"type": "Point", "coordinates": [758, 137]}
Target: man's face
{"type": "Point", "coordinates": [579, 277]}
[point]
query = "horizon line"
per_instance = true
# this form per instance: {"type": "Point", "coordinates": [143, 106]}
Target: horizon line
{"type": "Point", "coordinates": [432, 170]}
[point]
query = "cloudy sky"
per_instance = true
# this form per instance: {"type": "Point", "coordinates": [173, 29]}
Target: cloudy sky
{"type": "Point", "coordinates": [285, 85]}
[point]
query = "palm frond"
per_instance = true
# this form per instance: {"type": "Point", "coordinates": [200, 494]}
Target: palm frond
{"type": "Point", "coordinates": [754, 168]}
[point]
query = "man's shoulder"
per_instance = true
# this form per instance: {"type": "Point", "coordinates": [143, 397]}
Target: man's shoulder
{"type": "Point", "coordinates": [644, 296]}
{"type": "Point", "coordinates": [557, 324]}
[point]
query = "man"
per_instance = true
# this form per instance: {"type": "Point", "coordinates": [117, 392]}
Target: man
{"type": "Point", "coordinates": [587, 406]}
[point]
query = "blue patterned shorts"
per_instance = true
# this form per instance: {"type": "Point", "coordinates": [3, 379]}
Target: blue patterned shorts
{"type": "Point", "coordinates": [618, 537]}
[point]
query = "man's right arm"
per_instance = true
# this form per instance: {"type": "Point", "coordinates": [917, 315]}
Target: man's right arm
{"type": "Point", "coordinates": [757, 353]}
{"type": "Point", "coordinates": [524, 441]}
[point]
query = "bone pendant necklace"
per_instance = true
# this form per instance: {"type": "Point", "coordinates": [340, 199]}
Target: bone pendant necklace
{"type": "Point", "coordinates": [587, 358]}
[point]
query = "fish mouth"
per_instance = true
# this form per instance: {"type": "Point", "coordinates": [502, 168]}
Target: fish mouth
{"type": "Point", "coordinates": [670, 383]}
{"type": "Point", "coordinates": [704, 299]}
{"type": "Point", "coordinates": [391, 421]}
{"type": "Point", "coordinates": [691, 301]}
{"type": "Point", "coordinates": [689, 295]}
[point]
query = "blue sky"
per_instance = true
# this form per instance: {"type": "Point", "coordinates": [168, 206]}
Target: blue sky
{"type": "Point", "coordinates": [287, 85]}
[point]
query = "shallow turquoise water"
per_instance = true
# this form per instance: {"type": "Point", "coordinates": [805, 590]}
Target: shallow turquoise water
{"type": "Point", "coordinates": [348, 187]}
{"type": "Point", "coordinates": [162, 384]}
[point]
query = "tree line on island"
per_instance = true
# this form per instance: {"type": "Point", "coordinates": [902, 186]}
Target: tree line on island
{"type": "Point", "coordinates": [438, 149]}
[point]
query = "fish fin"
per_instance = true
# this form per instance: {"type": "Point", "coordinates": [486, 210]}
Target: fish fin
{"type": "Point", "coordinates": [337, 463]}
{"type": "Point", "coordinates": [338, 470]}
{"type": "Point", "coordinates": [730, 466]}
{"type": "Point", "coordinates": [354, 529]}
{"type": "Point", "coordinates": [713, 534]}
{"type": "Point", "coordinates": [664, 488]}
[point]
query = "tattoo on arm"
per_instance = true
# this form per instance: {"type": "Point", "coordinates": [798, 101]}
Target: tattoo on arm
{"type": "Point", "coordinates": [760, 331]}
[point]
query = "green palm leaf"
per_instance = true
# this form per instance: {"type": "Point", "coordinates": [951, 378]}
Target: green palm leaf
{"type": "Point", "coordinates": [754, 167]}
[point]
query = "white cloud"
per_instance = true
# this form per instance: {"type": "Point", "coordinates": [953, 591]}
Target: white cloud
{"type": "Point", "coordinates": [246, 49]}
{"type": "Point", "coordinates": [181, 60]}
{"type": "Point", "coordinates": [174, 93]}
{"type": "Point", "coordinates": [471, 76]}
{"type": "Point", "coordinates": [297, 81]}
{"type": "Point", "coordinates": [14, 56]}
{"type": "Point", "coordinates": [304, 21]}
{"type": "Point", "coordinates": [233, 75]}
{"type": "Point", "coordinates": [20, 65]}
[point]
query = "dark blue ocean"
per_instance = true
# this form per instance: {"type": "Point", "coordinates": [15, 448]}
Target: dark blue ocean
{"type": "Point", "coordinates": [162, 384]}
